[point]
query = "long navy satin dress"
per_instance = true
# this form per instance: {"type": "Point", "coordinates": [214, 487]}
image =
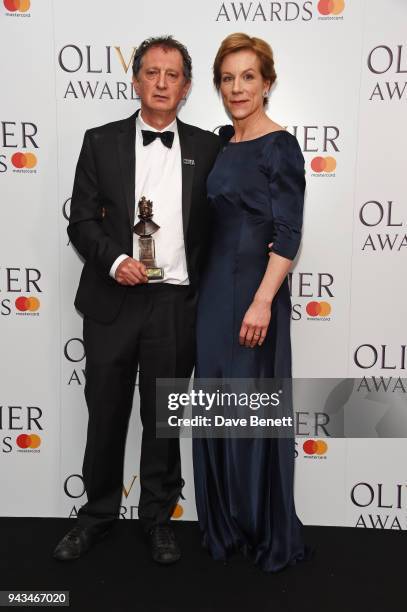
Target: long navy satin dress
{"type": "Point", "coordinates": [244, 487]}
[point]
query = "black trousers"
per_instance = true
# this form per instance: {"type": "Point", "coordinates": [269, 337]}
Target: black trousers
{"type": "Point", "coordinates": [155, 331]}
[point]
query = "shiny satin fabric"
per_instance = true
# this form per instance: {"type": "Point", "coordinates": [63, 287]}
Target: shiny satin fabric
{"type": "Point", "coordinates": [244, 487]}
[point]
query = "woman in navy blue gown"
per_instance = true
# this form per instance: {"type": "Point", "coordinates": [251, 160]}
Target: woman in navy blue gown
{"type": "Point", "coordinates": [244, 487]}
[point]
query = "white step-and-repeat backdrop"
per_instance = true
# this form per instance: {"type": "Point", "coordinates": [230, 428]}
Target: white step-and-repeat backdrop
{"type": "Point", "coordinates": [342, 90]}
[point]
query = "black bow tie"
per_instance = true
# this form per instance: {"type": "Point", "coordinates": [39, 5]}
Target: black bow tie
{"type": "Point", "coordinates": [167, 138]}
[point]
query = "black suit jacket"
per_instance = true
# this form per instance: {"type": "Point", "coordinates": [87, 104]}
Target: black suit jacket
{"type": "Point", "coordinates": [103, 208]}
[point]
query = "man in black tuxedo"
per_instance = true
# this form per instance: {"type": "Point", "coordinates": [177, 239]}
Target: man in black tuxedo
{"type": "Point", "coordinates": [130, 320]}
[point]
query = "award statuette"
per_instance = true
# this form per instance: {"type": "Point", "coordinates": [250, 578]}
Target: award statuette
{"type": "Point", "coordinates": [145, 228]}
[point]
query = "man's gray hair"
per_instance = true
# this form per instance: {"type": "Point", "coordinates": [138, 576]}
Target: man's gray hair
{"type": "Point", "coordinates": [165, 42]}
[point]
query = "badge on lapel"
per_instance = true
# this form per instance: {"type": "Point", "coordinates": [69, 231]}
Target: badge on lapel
{"type": "Point", "coordinates": [189, 162]}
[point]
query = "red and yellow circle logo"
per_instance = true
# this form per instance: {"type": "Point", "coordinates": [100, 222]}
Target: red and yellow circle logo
{"type": "Point", "coordinates": [24, 160]}
{"type": "Point", "coordinates": [323, 164]}
{"type": "Point", "coordinates": [315, 447]}
{"type": "Point", "coordinates": [28, 441]}
{"type": "Point", "coordinates": [17, 5]}
{"type": "Point", "coordinates": [24, 304]}
{"type": "Point", "coordinates": [318, 309]}
{"type": "Point", "coordinates": [331, 7]}
{"type": "Point", "coordinates": [178, 511]}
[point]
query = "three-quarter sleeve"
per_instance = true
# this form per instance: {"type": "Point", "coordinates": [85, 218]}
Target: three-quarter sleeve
{"type": "Point", "coordinates": [284, 164]}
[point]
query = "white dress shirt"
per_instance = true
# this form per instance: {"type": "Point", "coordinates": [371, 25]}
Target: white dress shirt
{"type": "Point", "coordinates": [159, 179]}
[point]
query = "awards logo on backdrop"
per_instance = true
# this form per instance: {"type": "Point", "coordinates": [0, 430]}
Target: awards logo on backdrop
{"type": "Point", "coordinates": [21, 428]}
{"type": "Point", "coordinates": [265, 11]}
{"type": "Point", "coordinates": [94, 60]}
{"type": "Point", "coordinates": [348, 117]}
{"type": "Point", "coordinates": [281, 11]}
{"type": "Point", "coordinates": [306, 286]}
{"type": "Point", "coordinates": [74, 354]}
{"type": "Point", "coordinates": [387, 64]}
{"type": "Point", "coordinates": [22, 136]}
{"type": "Point", "coordinates": [385, 226]}
{"type": "Point", "coordinates": [74, 489]}
{"type": "Point", "coordinates": [319, 139]}
{"type": "Point", "coordinates": [15, 281]}
{"type": "Point", "coordinates": [379, 505]}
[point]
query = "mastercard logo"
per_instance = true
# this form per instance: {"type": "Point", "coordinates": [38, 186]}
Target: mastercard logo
{"type": "Point", "coordinates": [318, 309]}
{"type": "Point", "coordinates": [315, 447]}
{"type": "Point", "coordinates": [30, 304]}
{"type": "Point", "coordinates": [178, 511]}
{"type": "Point", "coordinates": [24, 160]}
{"type": "Point", "coordinates": [331, 7]}
{"type": "Point", "coordinates": [28, 441]}
{"type": "Point", "coordinates": [17, 5]}
{"type": "Point", "coordinates": [323, 164]}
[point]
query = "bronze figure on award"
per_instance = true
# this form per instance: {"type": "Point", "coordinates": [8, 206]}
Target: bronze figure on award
{"type": "Point", "coordinates": [145, 229]}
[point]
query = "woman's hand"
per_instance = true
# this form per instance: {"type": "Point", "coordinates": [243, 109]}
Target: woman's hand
{"type": "Point", "coordinates": [255, 323]}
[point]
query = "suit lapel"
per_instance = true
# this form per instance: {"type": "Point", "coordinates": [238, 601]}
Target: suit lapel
{"type": "Point", "coordinates": [126, 141]}
{"type": "Point", "coordinates": [186, 139]}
